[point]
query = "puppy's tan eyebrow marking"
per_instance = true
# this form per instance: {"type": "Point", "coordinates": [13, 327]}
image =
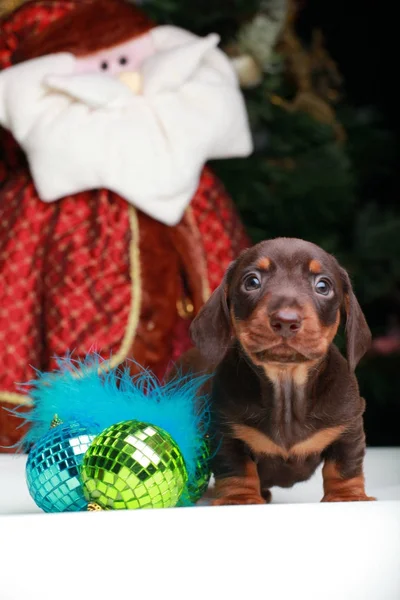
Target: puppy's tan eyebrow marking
{"type": "Point", "coordinates": [263, 263]}
{"type": "Point", "coordinates": [315, 266]}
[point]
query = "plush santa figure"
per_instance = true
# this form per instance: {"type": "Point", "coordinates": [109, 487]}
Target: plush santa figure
{"type": "Point", "coordinates": [113, 232]}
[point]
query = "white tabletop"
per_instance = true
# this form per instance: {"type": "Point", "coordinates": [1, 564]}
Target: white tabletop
{"type": "Point", "coordinates": [293, 549]}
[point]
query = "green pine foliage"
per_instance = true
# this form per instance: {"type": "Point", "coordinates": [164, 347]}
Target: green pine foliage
{"type": "Point", "coordinates": [203, 16]}
{"type": "Point", "coordinates": [292, 186]}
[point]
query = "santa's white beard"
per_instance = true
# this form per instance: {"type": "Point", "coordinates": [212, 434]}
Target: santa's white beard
{"type": "Point", "coordinates": [89, 131]}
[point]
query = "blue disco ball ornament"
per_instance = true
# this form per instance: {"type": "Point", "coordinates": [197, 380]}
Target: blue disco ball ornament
{"type": "Point", "coordinates": [53, 468]}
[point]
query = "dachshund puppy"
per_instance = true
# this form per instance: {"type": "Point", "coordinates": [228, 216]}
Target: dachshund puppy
{"type": "Point", "coordinates": [284, 399]}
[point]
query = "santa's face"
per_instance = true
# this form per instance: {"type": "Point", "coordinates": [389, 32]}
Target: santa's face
{"type": "Point", "coordinates": [123, 58]}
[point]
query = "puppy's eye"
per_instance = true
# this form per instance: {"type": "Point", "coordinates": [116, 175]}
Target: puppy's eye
{"type": "Point", "coordinates": [323, 287]}
{"type": "Point", "coordinates": [252, 282]}
{"type": "Point", "coordinates": [104, 65]}
{"type": "Point", "coordinates": [123, 60]}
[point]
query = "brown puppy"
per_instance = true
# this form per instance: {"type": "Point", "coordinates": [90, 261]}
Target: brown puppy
{"type": "Point", "coordinates": [284, 399]}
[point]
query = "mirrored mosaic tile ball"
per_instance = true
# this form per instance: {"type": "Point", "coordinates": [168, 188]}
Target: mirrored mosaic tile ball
{"type": "Point", "coordinates": [134, 465]}
{"type": "Point", "coordinates": [203, 474]}
{"type": "Point", "coordinates": [197, 487]}
{"type": "Point", "coordinates": [53, 468]}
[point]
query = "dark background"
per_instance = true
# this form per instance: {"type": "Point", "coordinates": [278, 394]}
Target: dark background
{"type": "Point", "coordinates": [361, 37]}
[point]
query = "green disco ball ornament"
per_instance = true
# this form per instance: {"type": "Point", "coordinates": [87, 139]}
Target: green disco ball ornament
{"type": "Point", "coordinates": [197, 487]}
{"type": "Point", "coordinates": [133, 465]}
{"type": "Point", "coordinates": [203, 475]}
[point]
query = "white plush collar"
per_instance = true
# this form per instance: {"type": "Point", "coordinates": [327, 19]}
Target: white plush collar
{"type": "Point", "coordinates": [89, 131]}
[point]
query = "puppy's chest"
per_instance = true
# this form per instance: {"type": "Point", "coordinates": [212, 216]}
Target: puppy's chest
{"type": "Point", "coordinates": [286, 426]}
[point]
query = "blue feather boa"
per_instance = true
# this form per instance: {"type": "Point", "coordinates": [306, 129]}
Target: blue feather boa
{"type": "Point", "coordinates": [86, 392]}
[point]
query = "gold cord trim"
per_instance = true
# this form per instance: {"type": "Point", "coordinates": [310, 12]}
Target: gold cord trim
{"type": "Point", "coordinates": [15, 399]}
{"type": "Point", "coordinates": [136, 296]}
{"type": "Point", "coordinates": [133, 319]}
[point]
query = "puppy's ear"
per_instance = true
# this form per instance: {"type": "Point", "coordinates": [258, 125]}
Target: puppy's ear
{"type": "Point", "coordinates": [357, 331]}
{"type": "Point", "coordinates": [211, 330]}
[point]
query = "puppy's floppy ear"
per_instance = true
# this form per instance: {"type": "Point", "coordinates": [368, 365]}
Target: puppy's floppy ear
{"type": "Point", "coordinates": [211, 330]}
{"type": "Point", "coordinates": [357, 331]}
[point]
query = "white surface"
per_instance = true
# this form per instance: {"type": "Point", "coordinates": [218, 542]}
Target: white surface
{"type": "Point", "coordinates": [282, 551]}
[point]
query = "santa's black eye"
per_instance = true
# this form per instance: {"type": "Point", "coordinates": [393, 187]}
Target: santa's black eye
{"type": "Point", "coordinates": [123, 60]}
{"type": "Point", "coordinates": [104, 65]}
{"type": "Point", "coordinates": [251, 283]}
{"type": "Point", "coordinates": [323, 287]}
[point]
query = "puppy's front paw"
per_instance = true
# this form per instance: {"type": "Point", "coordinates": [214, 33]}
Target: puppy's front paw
{"type": "Point", "coordinates": [238, 499]}
{"type": "Point", "coordinates": [338, 488]}
{"type": "Point", "coordinates": [347, 497]}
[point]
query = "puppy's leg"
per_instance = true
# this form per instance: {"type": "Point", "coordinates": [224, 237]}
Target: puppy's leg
{"type": "Point", "coordinates": [244, 489]}
{"type": "Point", "coordinates": [236, 476]}
{"type": "Point", "coordinates": [343, 468]}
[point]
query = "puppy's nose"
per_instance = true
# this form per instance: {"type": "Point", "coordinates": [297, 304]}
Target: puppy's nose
{"type": "Point", "coordinates": [285, 322]}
